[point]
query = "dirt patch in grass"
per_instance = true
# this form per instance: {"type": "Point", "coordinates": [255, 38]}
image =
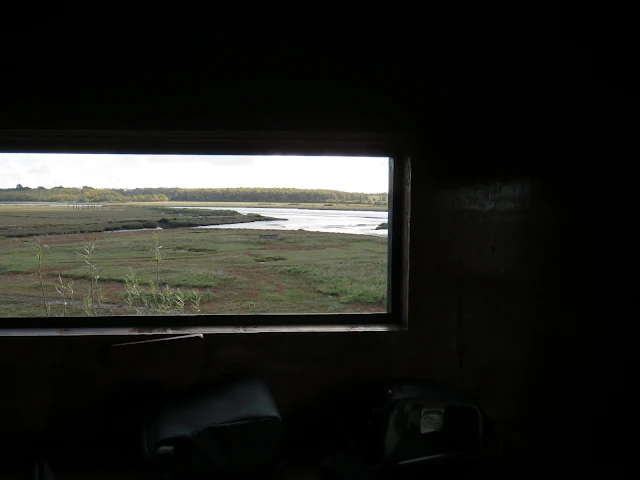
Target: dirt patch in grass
{"type": "Point", "coordinates": [13, 277]}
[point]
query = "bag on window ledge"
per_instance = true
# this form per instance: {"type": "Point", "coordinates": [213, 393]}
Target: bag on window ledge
{"type": "Point", "coordinates": [235, 427]}
{"type": "Point", "coordinates": [421, 423]}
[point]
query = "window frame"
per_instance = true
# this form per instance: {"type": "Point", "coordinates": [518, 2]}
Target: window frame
{"type": "Point", "coordinates": [395, 147]}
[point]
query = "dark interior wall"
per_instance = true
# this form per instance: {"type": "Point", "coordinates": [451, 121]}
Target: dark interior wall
{"type": "Point", "coordinates": [504, 290]}
{"type": "Point", "coordinates": [508, 233]}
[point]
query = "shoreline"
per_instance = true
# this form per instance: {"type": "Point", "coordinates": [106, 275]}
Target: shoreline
{"type": "Point", "coordinates": [133, 225]}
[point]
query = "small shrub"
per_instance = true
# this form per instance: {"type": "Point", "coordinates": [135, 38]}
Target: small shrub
{"type": "Point", "coordinates": [41, 251]}
{"type": "Point", "coordinates": [131, 226]}
{"type": "Point", "coordinates": [158, 255]}
{"type": "Point", "coordinates": [95, 294]}
{"type": "Point", "coordinates": [65, 290]}
{"type": "Point", "coordinates": [159, 300]}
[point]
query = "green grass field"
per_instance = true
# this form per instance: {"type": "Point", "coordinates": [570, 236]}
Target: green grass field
{"type": "Point", "coordinates": [230, 271]}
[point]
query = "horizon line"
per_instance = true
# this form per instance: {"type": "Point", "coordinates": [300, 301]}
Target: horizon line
{"type": "Point", "coordinates": [188, 188]}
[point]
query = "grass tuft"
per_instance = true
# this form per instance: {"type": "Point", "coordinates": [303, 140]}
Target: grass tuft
{"type": "Point", "coordinates": [361, 283]}
{"type": "Point", "coordinates": [269, 259]}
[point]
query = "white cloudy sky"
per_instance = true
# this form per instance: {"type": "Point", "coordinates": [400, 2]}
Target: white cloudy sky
{"type": "Point", "coordinates": [351, 174]}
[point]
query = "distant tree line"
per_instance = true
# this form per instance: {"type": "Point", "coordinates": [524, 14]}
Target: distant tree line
{"type": "Point", "coordinates": [276, 195]}
{"type": "Point", "coordinates": [73, 195]}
